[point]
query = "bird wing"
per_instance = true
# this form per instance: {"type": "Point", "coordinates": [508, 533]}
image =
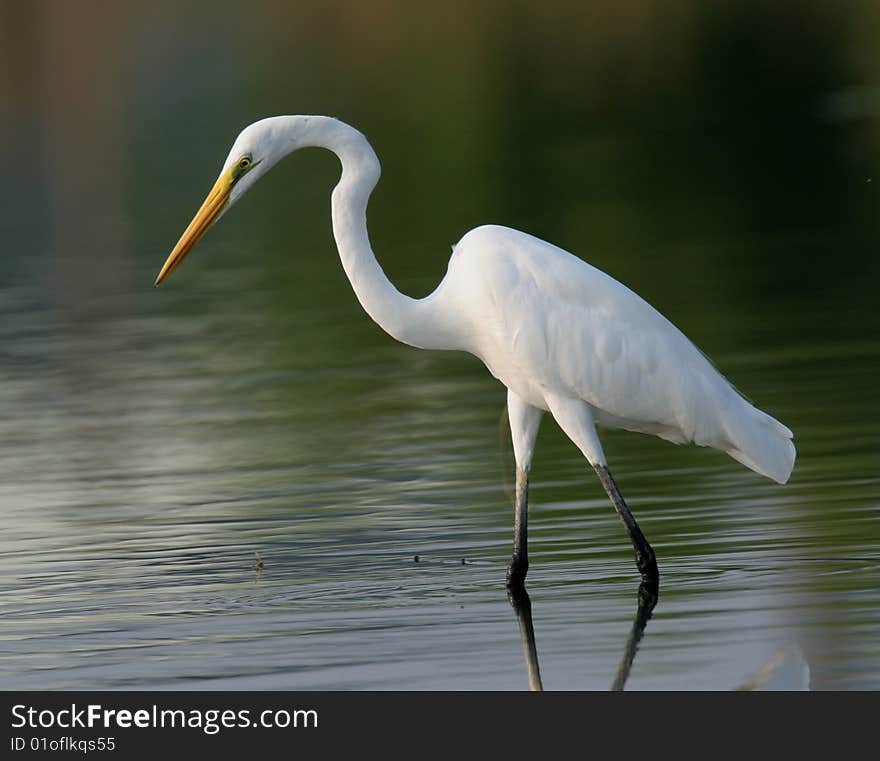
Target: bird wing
{"type": "Point", "coordinates": [555, 321]}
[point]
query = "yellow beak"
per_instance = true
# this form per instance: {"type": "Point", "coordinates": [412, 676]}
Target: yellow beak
{"type": "Point", "coordinates": [204, 218]}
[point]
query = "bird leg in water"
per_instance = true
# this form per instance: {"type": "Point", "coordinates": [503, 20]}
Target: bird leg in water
{"type": "Point", "coordinates": [645, 559]}
{"type": "Point", "coordinates": [519, 565]}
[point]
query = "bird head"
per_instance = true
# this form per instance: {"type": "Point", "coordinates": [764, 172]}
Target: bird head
{"type": "Point", "coordinates": [256, 150]}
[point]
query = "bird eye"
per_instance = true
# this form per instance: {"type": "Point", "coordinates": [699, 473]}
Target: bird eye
{"type": "Point", "coordinates": [244, 162]}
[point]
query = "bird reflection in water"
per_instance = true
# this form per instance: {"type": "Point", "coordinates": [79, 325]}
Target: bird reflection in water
{"type": "Point", "coordinates": [519, 599]}
{"type": "Point", "coordinates": [522, 606]}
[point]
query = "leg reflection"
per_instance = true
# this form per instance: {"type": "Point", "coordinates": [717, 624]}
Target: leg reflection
{"type": "Point", "coordinates": [649, 592]}
{"type": "Point", "coordinates": [522, 606]}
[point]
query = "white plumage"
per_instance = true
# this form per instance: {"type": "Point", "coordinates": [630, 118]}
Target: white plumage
{"type": "Point", "coordinates": [564, 337]}
{"type": "Point", "coordinates": [549, 324]}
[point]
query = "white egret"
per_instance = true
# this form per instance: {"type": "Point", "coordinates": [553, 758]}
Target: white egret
{"type": "Point", "coordinates": [561, 335]}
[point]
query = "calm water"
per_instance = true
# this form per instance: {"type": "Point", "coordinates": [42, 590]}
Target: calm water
{"type": "Point", "coordinates": [145, 465]}
{"type": "Point", "coordinates": [152, 441]}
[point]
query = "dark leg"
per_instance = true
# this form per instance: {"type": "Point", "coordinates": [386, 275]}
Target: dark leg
{"type": "Point", "coordinates": [519, 565]}
{"type": "Point", "coordinates": [645, 559]}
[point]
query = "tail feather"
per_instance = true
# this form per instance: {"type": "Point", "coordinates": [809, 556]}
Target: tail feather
{"type": "Point", "coordinates": [761, 443]}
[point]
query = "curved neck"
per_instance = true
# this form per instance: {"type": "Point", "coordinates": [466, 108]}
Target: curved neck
{"type": "Point", "coordinates": [413, 321]}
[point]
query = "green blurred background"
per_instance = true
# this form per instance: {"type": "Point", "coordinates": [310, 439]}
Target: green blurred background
{"type": "Point", "coordinates": [652, 137]}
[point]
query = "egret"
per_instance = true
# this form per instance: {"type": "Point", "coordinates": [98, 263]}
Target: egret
{"type": "Point", "coordinates": [561, 335]}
